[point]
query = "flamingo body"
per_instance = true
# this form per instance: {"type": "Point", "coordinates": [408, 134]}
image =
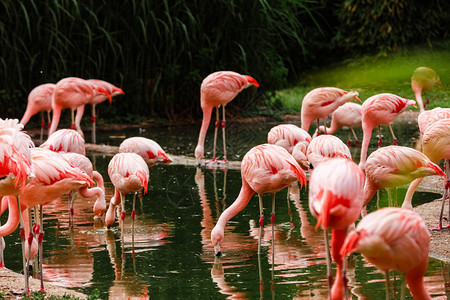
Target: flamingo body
{"type": "Point", "coordinates": [326, 146]}
{"type": "Point", "coordinates": [65, 140]}
{"type": "Point", "coordinates": [148, 149]}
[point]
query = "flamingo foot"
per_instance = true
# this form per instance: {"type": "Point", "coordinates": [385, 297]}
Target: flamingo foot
{"type": "Point", "coordinates": [224, 161]}
{"type": "Point", "coordinates": [211, 161]}
{"type": "Point", "coordinates": [437, 228]}
{"type": "Point", "coordinates": [2, 265]}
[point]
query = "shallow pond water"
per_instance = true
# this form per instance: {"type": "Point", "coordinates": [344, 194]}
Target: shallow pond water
{"type": "Point", "coordinates": [168, 253]}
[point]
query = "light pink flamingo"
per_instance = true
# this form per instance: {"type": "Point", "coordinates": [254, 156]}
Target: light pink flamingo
{"type": "Point", "coordinates": [54, 177]}
{"type": "Point", "coordinates": [72, 92]}
{"type": "Point", "coordinates": [336, 190]}
{"type": "Point", "coordinates": [326, 146]}
{"type": "Point", "coordinates": [129, 174]}
{"type": "Point", "coordinates": [436, 146]}
{"type": "Point", "coordinates": [423, 79]}
{"type": "Point", "coordinates": [321, 102]}
{"type": "Point", "coordinates": [111, 89]}
{"type": "Point", "coordinates": [39, 100]}
{"type": "Point", "coordinates": [289, 136]}
{"type": "Point", "coordinates": [428, 117]}
{"type": "Point", "coordinates": [394, 238]}
{"type": "Point", "coordinates": [347, 115]}
{"type": "Point", "coordinates": [148, 149]}
{"type": "Point", "coordinates": [65, 140]}
{"type": "Point", "coordinates": [378, 110]}
{"type": "Point", "coordinates": [265, 169]}
{"type": "Point", "coordinates": [393, 166]}
{"type": "Point", "coordinates": [217, 90]}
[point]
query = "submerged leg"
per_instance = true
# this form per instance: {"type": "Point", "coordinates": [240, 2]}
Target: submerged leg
{"type": "Point", "coordinates": [394, 139]}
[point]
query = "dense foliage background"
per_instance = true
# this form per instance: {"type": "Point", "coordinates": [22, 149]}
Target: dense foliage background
{"type": "Point", "coordinates": [159, 51]}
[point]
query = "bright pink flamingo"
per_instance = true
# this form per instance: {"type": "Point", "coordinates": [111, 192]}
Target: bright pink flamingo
{"type": "Point", "coordinates": [217, 90]}
{"type": "Point", "coordinates": [65, 140]}
{"type": "Point", "coordinates": [378, 110]}
{"type": "Point", "coordinates": [265, 169]}
{"type": "Point", "coordinates": [39, 100]}
{"type": "Point", "coordinates": [289, 136]}
{"type": "Point", "coordinates": [326, 146]}
{"type": "Point", "coordinates": [394, 238]}
{"type": "Point", "coordinates": [129, 174]}
{"type": "Point", "coordinates": [72, 92]}
{"type": "Point", "coordinates": [347, 115]}
{"type": "Point", "coordinates": [336, 190]}
{"type": "Point", "coordinates": [436, 146]}
{"type": "Point", "coordinates": [393, 166]}
{"type": "Point", "coordinates": [54, 177]}
{"type": "Point", "coordinates": [111, 90]}
{"type": "Point", "coordinates": [423, 79]}
{"type": "Point", "coordinates": [148, 149]}
{"type": "Point", "coordinates": [321, 102]}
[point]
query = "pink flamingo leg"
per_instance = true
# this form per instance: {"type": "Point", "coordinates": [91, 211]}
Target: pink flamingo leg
{"type": "Point", "coordinates": [224, 142]}
{"type": "Point", "coordinates": [394, 139]}
{"type": "Point", "coordinates": [216, 127]}
{"type": "Point", "coordinates": [93, 119]}
{"type": "Point", "coordinates": [380, 141]}
{"type": "Point", "coordinates": [261, 222]}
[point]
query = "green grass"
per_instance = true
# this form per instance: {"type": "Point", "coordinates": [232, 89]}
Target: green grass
{"type": "Point", "coordinates": [374, 75]}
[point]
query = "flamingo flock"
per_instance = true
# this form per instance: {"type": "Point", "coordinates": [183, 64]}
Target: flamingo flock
{"type": "Point", "coordinates": [339, 189]}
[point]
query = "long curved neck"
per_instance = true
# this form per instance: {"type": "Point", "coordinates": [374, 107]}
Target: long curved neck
{"type": "Point", "coordinates": [99, 180]}
{"type": "Point", "coordinates": [417, 287]}
{"type": "Point", "coordinates": [369, 192]}
{"type": "Point", "coordinates": [13, 216]}
{"type": "Point", "coordinates": [55, 120]}
{"type": "Point", "coordinates": [407, 203]}
{"type": "Point", "coordinates": [333, 127]}
{"type": "Point", "coordinates": [239, 204]}
{"type": "Point", "coordinates": [367, 134]}
{"type": "Point", "coordinates": [201, 137]}
{"type": "Point", "coordinates": [418, 94]}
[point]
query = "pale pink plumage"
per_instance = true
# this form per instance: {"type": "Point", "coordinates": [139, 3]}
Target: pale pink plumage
{"type": "Point", "coordinates": [378, 110]}
{"type": "Point", "coordinates": [39, 100]}
{"type": "Point", "coordinates": [336, 190]}
{"type": "Point", "coordinates": [288, 136]}
{"type": "Point", "coordinates": [321, 102]}
{"type": "Point", "coordinates": [265, 169]}
{"type": "Point", "coordinates": [326, 146]}
{"type": "Point", "coordinates": [129, 174]}
{"type": "Point", "coordinates": [148, 149]}
{"type": "Point", "coordinates": [72, 92]}
{"type": "Point", "coordinates": [423, 79]}
{"type": "Point", "coordinates": [65, 140]}
{"type": "Point", "coordinates": [428, 117]}
{"type": "Point", "coordinates": [393, 166]}
{"type": "Point", "coordinates": [394, 239]}
{"type": "Point", "coordinates": [218, 89]}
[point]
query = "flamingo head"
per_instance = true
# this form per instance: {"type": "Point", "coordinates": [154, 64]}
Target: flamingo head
{"type": "Point", "coordinates": [217, 235]}
{"type": "Point", "coordinates": [252, 80]}
{"type": "Point", "coordinates": [117, 91]}
{"type": "Point", "coordinates": [101, 90]}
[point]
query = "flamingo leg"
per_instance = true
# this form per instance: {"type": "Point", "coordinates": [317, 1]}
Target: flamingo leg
{"type": "Point", "coordinates": [72, 115]}
{"type": "Point", "coordinates": [133, 212]}
{"type": "Point", "coordinates": [389, 196]}
{"type": "Point", "coordinates": [261, 222]}
{"type": "Point", "coordinates": [93, 119]}
{"type": "Point", "coordinates": [22, 240]}
{"type": "Point", "coordinates": [216, 127]}
{"type": "Point", "coordinates": [30, 242]}
{"type": "Point", "coordinates": [42, 126]}
{"type": "Point", "coordinates": [355, 136]}
{"type": "Point", "coordinates": [444, 197]}
{"type": "Point", "coordinates": [272, 220]}
{"type": "Point", "coordinates": [394, 139]}
{"type": "Point", "coordinates": [349, 142]}
{"type": "Point", "coordinates": [41, 248]}
{"type": "Point", "coordinates": [318, 127]}
{"type": "Point", "coordinates": [122, 215]}
{"type": "Point", "coordinates": [328, 255]}
{"type": "Point", "coordinates": [223, 134]}
{"type": "Point", "coordinates": [388, 288]}
{"type": "Point", "coordinates": [380, 140]}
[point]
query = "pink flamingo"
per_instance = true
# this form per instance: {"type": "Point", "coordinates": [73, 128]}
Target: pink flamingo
{"type": "Point", "coordinates": [428, 117]}
{"type": "Point", "coordinates": [347, 115]}
{"type": "Point", "coordinates": [148, 149]}
{"type": "Point", "coordinates": [39, 100]}
{"type": "Point", "coordinates": [394, 238]}
{"type": "Point", "coordinates": [378, 110]}
{"type": "Point", "coordinates": [65, 140]}
{"type": "Point", "coordinates": [326, 146]}
{"type": "Point", "coordinates": [423, 79]}
{"type": "Point", "coordinates": [321, 102]}
{"type": "Point", "coordinates": [129, 174]}
{"type": "Point", "coordinates": [265, 169]}
{"type": "Point", "coordinates": [217, 90]}
{"type": "Point", "coordinates": [336, 190]}
{"type": "Point", "coordinates": [111, 90]}
{"type": "Point", "coordinates": [72, 92]}
{"type": "Point", "coordinates": [290, 137]}
{"type": "Point", "coordinates": [54, 177]}
{"type": "Point", "coordinates": [393, 166]}
{"type": "Point", "coordinates": [436, 146]}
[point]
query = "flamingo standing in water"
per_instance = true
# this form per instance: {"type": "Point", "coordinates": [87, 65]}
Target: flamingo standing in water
{"type": "Point", "coordinates": [394, 238]}
{"type": "Point", "coordinates": [148, 149]}
{"type": "Point", "coordinates": [129, 174]}
{"type": "Point", "coordinates": [393, 166]}
{"type": "Point", "coordinates": [336, 190]}
{"type": "Point", "coordinates": [39, 100]}
{"type": "Point", "coordinates": [265, 169]}
{"type": "Point", "coordinates": [290, 137]}
{"type": "Point", "coordinates": [378, 110]}
{"type": "Point", "coordinates": [423, 79]}
{"type": "Point", "coordinates": [436, 146]}
{"type": "Point", "coordinates": [72, 92]}
{"type": "Point", "coordinates": [217, 90]}
{"type": "Point", "coordinates": [321, 102]}
{"type": "Point", "coordinates": [347, 115]}
{"type": "Point", "coordinates": [326, 146]}
{"type": "Point", "coordinates": [111, 90]}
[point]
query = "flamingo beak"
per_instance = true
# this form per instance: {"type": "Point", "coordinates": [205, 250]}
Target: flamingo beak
{"type": "Point", "coordinates": [357, 98]}
{"type": "Point", "coordinates": [118, 90]}
{"type": "Point", "coordinates": [217, 251]}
